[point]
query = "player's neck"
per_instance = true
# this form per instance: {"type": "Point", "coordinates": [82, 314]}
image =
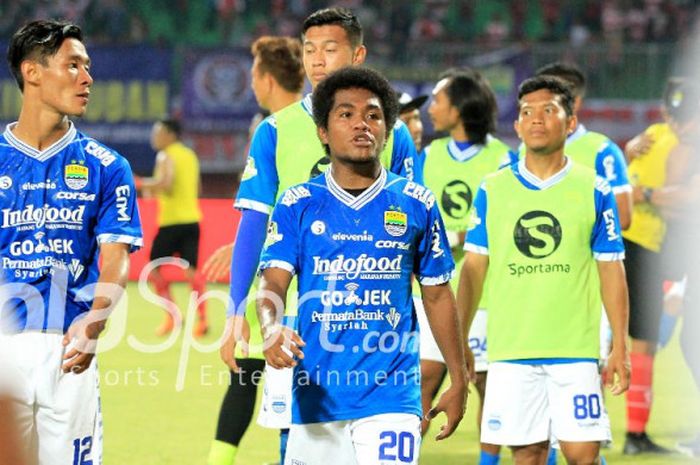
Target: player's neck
{"type": "Point", "coordinates": [40, 129]}
{"type": "Point", "coordinates": [459, 134]}
{"type": "Point", "coordinates": [283, 99]}
{"type": "Point", "coordinates": [545, 166]}
{"type": "Point", "coordinates": [355, 175]}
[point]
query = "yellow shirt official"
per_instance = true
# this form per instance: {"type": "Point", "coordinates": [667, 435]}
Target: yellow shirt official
{"type": "Point", "coordinates": [649, 170]}
{"type": "Point", "coordinates": [180, 205]}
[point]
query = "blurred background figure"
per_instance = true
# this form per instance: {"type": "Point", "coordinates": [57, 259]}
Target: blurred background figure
{"type": "Point", "coordinates": [175, 183]}
{"type": "Point", "coordinates": [409, 113]}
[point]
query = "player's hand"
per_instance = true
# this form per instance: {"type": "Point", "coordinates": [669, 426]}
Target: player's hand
{"type": "Point", "coordinates": [618, 371]}
{"type": "Point", "coordinates": [237, 331]}
{"type": "Point", "coordinates": [471, 364]}
{"type": "Point", "coordinates": [83, 334]}
{"type": "Point", "coordinates": [453, 402]}
{"type": "Point", "coordinates": [638, 146]}
{"type": "Point", "coordinates": [280, 345]}
{"type": "Point", "coordinates": [218, 264]}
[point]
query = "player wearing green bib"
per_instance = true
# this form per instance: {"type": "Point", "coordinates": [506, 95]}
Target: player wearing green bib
{"type": "Point", "coordinates": [453, 167]}
{"type": "Point", "coordinates": [545, 232]}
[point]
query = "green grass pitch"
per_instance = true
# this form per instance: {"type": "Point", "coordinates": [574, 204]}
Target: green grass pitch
{"type": "Point", "coordinates": [160, 403]}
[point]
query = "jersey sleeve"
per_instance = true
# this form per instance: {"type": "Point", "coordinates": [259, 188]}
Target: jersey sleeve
{"type": "Point", "coordinates": [403, 157]}
{"type": "Point", "coordinates": [118, 216]}
{"type": "Point", "coordinates": [259, 182]}
{"type": "Point", "coordinates": [611, 166]}
{"type": "Point", "coordinates": [434, 264]}
{"type": "Point", "coordinates": [477, 240]}
{"type": "Point", "coordinates": [281, 249]}
{"type": "Point", "coordinates": [606, 239]}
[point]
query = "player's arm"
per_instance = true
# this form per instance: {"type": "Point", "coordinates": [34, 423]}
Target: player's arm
{"type": "Point", "coordinates": [441, 310]}
{"type": "Point", "coordinates": [624, 208]}
{"type": "Point", "coordinates": [114, 272]}
{"type": "Point", "coordinates": [280, 343]}
{"type": "Point", "coordinates": [163, 175]}
{"type": "Point", "coordinates": [608, 251]}
{"type": "Point", "coordinates": [404, 157]}
{"type": "Point", "coordinates": [611, 166]}
{"type": "Point", "coordinates": [471, 284]}
{"type": "Point", "coordinates": [434, 268]}
{"type": "Point", "coordinates": [613, 285]}
{"type": "Point", "coordinates": [473, 272]}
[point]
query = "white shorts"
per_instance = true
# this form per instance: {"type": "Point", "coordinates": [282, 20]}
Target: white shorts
{"type": "Point", "coordinates": [386, 439]}
{"type": "Point", "coordinates": [276, 408]}
{"type": "Point", "coordinates": [429, 349]}
{"type": "Point", "coordinates": [527, 404]}
{"type": "Point", "coordinates": [58, 413]}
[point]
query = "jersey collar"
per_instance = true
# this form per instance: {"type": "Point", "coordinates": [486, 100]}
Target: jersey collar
{"type": "Point", "coordinates": [580, 131]}
{"type": "Point", "coordinates": [533, 182]}
{"type": "Point", "coordinates": [307, 105]}
{"type": "Point", "coordinates": [361, 200]}
{"type": "Point", "coordinates": [463, 155]}
{"type": "Point", "coordinates": [40, 155]}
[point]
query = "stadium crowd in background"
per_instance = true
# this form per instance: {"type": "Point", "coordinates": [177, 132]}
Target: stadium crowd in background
{"type": "Point", "coordinates": [391, 24]}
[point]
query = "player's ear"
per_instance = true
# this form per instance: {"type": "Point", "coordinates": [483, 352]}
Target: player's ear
{"type": "Point", "coordinates": [516, 126]}
{"type": "Point", "coordinates": [322, 135]}
{"type": "Point", "coordinates": [359, 55]}
{"type": "Point", "coordinates": [571, 122]}
{"type": "Point", "coordinates": [31, 72]}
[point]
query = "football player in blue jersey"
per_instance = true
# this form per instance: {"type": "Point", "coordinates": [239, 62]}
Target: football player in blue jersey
{"type": "Point", "coordinates": [354, 235]}
{"type": "Point", "coordinates": [284, 151]}
{"type": "Point", "coordinates": [67, 202]}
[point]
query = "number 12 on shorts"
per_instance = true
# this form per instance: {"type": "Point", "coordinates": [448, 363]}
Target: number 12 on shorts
{"type": "Point", "coordinates": [81, 451]}
{"type": "Point", "coordinates": [587, 406]}
{"type": "Point", "coordinates": [397, 446]}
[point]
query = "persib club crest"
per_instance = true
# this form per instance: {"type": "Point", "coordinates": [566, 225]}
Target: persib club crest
{"type": "Point", "coordinates": [76, 175]}
{"type": "Point", "coordinates": [395, 222]}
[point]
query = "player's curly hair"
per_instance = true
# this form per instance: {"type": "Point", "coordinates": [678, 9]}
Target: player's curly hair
{"type": "Point", "coordinates": [336, 16]}
{"type": "Point", "coordinates": [471, 94]}
{"type": "Point", "coordinates": [354, 77]}
{"type": "Point", "coordinates": [554, 85]}
{"type": "Point", "coordinates": [38, 40]}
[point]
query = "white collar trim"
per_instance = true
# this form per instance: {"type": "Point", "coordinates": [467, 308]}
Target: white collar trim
{"type": "Point", "coordinates": [41, 155]}
{"type": "Point", "coordinates": [547, 183]}
{"type": "Point", "coordinates": [361, 200]}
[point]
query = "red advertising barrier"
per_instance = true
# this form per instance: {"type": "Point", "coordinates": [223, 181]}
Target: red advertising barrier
{"type": "Point", "coordinates": [218, 227]}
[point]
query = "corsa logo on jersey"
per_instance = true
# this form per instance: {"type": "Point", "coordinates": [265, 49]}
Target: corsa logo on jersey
{"type": "Point", "coordinates": [537, 234]}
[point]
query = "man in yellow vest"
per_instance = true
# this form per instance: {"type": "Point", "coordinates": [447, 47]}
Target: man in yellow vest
{"type": "Point", "coordinates": [540, 228]}
{"type": "Point", "coordinates": [175, 183]}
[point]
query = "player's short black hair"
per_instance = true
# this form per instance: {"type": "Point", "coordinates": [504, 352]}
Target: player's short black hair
{"type": "Point", "coordinates": [38, 40]}
{"type": "Point", "coordinates": [352, 77]}
{"type": "Point", "coordinates": [681, 99]}
{"type": "Point", "coordinates": [342, 17]}
{"type": "Point", "coordinates": [554, 85]}
{"type": "Point", "coordinates": [171, 125]}
{"type": "Point", "coordinates": [471, 94]}
{"type": "Point", "coordinates": [569, 72]}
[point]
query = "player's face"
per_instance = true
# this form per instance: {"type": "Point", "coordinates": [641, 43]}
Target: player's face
{"type": "Point", "coordinates": [159, 136]}
{"type": "Point", "coordinates": [542, 122]}
{"type": "Point", "coordinates": [356, 128]}
{"type": "Point", "coordinates": [327, 49]}
{"type": "Point", "coordinates": [414, 125]}
{"type": "Point", "coordinates": [443, 114]}
{"type": "Point", "coordinates": [64, 82]}
{"type": "Point", "coordinates": [259, 84]}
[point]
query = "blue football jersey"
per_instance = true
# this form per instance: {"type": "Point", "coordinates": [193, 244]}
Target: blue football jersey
{"type": "Point", "coordinates": [56, 207]}
{"type": "Point", "coordinates": [354, 257]}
